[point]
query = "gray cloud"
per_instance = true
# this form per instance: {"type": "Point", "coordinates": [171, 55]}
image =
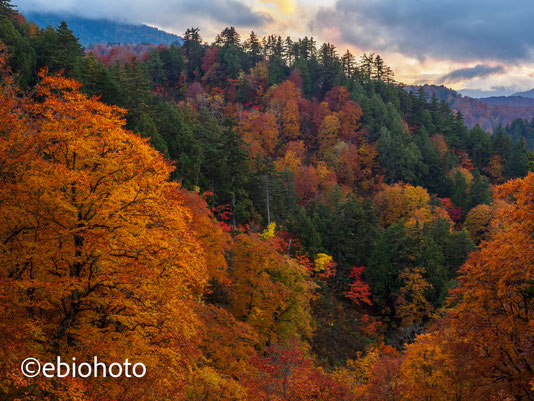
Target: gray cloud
{"type": "Point", "coordinates": [494, 91]}
{"type": "Point", "coordinates": [456, 29]}
{"type": "Point", "coordinates": [461, 74]}
{"type": "Point", "coordinates": [155, 12]}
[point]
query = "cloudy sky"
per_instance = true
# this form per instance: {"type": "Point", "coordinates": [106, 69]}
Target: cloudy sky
{"type": "Point", "coordinates": [483, 46]}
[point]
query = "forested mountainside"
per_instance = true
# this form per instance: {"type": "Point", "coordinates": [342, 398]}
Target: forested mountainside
{"type": "Point", "coordinates": [93, 31]}
{"type": "Point", "coordinates": [509, 100]}
{"type": "Point", "coordinates": [527, 94]}
{"type": "Point", "coordinates": [522, 130]}
{"type": "Point", "coordinates": [490, 113]}
{"type": "Point", "coordinates": [255, 219]}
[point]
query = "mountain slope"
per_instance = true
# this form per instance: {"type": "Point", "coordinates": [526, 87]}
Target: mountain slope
{"type": "Point", "coordinates": [509, 101]}
{"type": "Point", "coordinates": [529, 94]}
{"type": "Point", "coordinates": [489, 112]}
{"type": "Point", "coordinates": [92, 31]}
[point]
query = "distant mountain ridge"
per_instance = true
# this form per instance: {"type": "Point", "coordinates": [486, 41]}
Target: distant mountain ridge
{"type": "Point", "coordinates": [529, 94]}
{"type": "Point", "coordinates": [93, 31]}
{"type": "Point", "coordinates": [513, 100]}
{"type": "Point", "coordinates": [489, 112]}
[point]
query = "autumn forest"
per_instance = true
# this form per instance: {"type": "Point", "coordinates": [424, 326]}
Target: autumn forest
{"type": "Point", "coordinates": [255, 219]}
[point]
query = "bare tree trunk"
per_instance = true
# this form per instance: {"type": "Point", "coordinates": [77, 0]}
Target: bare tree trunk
{"type": "Point", "coordinates": [267, 198]}
{"type": "Point", "coordinates": [234, 220]}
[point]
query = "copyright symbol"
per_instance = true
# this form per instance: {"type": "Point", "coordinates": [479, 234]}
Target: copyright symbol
{"type": "Point", "coordinates": [30, 367]}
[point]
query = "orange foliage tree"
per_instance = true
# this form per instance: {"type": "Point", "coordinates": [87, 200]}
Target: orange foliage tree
{"type": "Point", "coordinates": [307, 183]}
{"type": "Point", "coordinates": [212, 236]}
{"type": "Point", "coordinates": [284, 105]}
{"type": "Point", "coordinates": [495, 302]}
{"type": "Point", "coordinates": [430, 371]}
{"type": "Point", "coordinates": [97, 253]}
{"type": "Point", "coordinates": [260, 132]}
{"type": "Point", "coordinates": [369, 174]}
{"type": "Point", "coordinates": [294, 155]}
{"type": "Point", "coordinates": [350, 117]}
{"type": "Point", "coordinates": [384, 382]}
{"type": "Point", "coordinates": [227, 347]}
{"type": "Point", "coordinates": [495, 169]}
{"type": "Point", "coordinates": [337, 97]}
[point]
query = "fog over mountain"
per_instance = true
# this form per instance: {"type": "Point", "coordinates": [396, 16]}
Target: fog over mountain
{"type": "Point", "coordinates": [92, 31]}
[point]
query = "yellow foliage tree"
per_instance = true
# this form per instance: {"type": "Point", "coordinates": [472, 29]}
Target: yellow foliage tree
{"type": "Point", "coordinates": [411, 304]}
{"type": "Point", "coordinates": [478, 222]}
{"type": "Point", "coordinates": [328, 134]}
{"type": "Point", "coordinates": [323, 264]}
{"type": "Point", "coordinates": [268, 233]}
{"type": "Point", "coordinates": [270, 290]}
{"type": "Point", "coordinates": [356, 373]}
{"type": "Point", "coordinates": [397, 201]}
